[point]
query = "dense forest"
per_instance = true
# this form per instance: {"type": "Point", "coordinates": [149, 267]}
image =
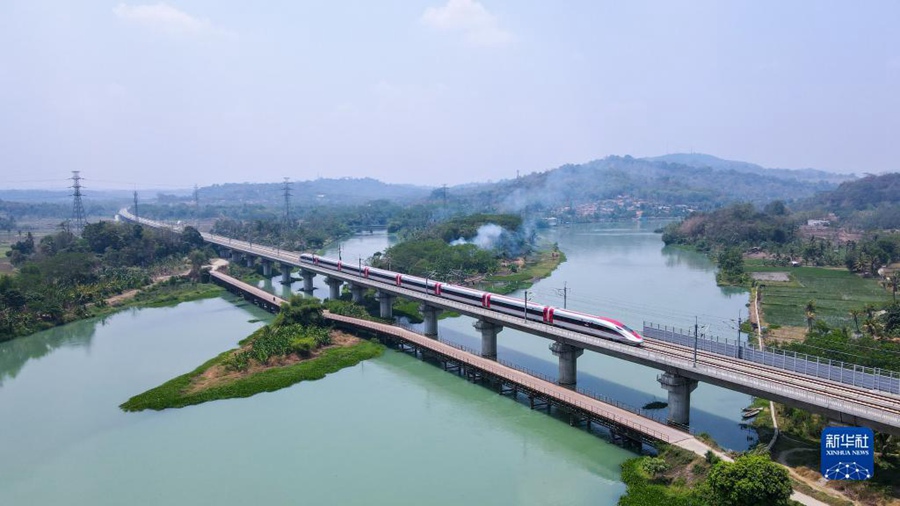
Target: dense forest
{"type": "Point", "coordinates": [775, 230]}
{"type": "Point", "coordinates": [872, 202]}
{"type": "Point", "coordinates": [459, 247]}
{"type": "Point", "coordinates": [61, 275]}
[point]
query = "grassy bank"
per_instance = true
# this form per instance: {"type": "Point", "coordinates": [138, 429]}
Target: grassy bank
{"type": "Point", "coordinates": [536, 267]}
{"type": "Point", "coordinates": [175, 393]}
{"type": "Point", "coordinates": [671, 479]}
{"type": "Point", "coordinates": [173, 293]}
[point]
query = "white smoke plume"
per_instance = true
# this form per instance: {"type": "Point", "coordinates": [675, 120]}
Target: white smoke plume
{"type": "Point", "coordinates": [488, 237]}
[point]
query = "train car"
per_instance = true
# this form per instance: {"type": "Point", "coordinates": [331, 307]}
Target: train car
{"type": "Point", "coordinates": [598, 326]}
{"type": "Point", "coordinates": [606, 328]}
{"type": "Point", "coordinates": [460, 294]}
{"type": "Point", "coordinates": [516, 307]}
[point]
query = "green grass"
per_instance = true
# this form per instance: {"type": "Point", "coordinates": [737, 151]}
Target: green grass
{"type": "Point", "coordinates": [536, 267]}
{"type": "Point", "coordinates": [167, 295]}
{"type": "Point", "coordinates": [836, 292]}
{"type": "Point", "coordinates": [644, 490]}
{"type": "Point", "coordinates": [172, 393]}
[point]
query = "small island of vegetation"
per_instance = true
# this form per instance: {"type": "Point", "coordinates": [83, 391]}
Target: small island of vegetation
{"type": "Point", "coordinates": [297, 346]}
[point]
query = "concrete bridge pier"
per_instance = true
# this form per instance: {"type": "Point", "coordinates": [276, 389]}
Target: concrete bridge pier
{"type": "Point", "coordinates": [334, 288]}
{"type": "Point", "coordinates": [307, 280]}
{"type": "Point", "coordinates": [250, 259]}
{"type": "Point", "coordinates": [489, 333]}
{"type": "Point", "coordinates": [431, 314]}
{"type": "Point", "coordinates": [225, 252]}
{"type": "Point", "coordinates": [680, 389]}
{"type": "Point", "coordinates": [285, 274]}
{"type": "Point", "coordinates": [358, 293]}
{"type": "Point", "coordinates": [267, 267]}
{"type": "Point", "coordinates": [386, 304]}
{"type": "Point", "coordinates": [568, 356]}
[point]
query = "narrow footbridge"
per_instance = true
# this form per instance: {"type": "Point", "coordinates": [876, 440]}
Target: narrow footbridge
{"type": "Point", "coordinates": [873, 404]}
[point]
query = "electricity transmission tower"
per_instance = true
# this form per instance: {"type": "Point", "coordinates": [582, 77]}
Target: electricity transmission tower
{"type": "Point", "coordinates": [78, 219]}
{"type": "Point", "coordinates": [136, 215]}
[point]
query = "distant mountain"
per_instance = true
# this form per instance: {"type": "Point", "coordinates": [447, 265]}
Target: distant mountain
{"type": "Point", "coordinates": [66, 195]}
{"type": "Point", "coordinates": [318, 191]}
{"type": "Point", "coordinates": [651, 180]}
{"type": "Point", "coordinates": [702, 160]}
{"type": "Point", "coordinates": [869, 202]}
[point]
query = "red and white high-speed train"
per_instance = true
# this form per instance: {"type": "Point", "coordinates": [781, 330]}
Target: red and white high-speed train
{"type": "Point", "coordinates": [606, 328]}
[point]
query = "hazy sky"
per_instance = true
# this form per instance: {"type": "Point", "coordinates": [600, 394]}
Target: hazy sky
{"type": "Point", "coordinates": [433, 92]}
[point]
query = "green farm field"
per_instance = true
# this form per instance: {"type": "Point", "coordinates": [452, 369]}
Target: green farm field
{"type": "Point", "coordinates": [836, 292]}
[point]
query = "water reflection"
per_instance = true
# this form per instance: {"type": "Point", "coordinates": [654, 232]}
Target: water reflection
{"type": "Point", "coordinates": [16, 353]}
{"type": "Point", "coordinates": [679, 257]}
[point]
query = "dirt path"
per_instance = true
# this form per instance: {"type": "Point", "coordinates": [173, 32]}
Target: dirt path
{"type": "Point", "coordinates": [115, 300]}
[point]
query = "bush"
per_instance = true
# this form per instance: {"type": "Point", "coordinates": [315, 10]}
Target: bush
{"type": "Point", "coordinates": [750, 479]}
{"type": "Point", "coordinates": [654, 466]}
{"type": "Point", "coordinates": [303, 346]}
{"type": "Point", "coordinates": [237, 361]}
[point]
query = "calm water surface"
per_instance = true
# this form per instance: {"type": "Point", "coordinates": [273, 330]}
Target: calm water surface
{"type": "Point", "coordinates": [621, 270]}
{"type": "Point", "coordinates": [392, 430]}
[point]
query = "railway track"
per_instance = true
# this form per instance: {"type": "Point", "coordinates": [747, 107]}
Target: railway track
{"type": "Point", "coordinates": [872, 399]}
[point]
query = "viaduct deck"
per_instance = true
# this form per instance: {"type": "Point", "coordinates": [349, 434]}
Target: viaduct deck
{"type": "Point", "coordinates": [627, 423]}
{"type": "Point", "coordinates": [839, 402]}
{"type": "Point", "coordinates": [583, 406]}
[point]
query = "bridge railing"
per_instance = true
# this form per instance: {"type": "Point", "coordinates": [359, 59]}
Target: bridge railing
{"type": "Point", "coordinates": [871, 378]}
{"type": "Point", "coordinates": [531, 372]}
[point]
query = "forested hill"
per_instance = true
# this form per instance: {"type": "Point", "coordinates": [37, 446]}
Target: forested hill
{"type": "Point", "coordinates": [656, 181]}
{"type": "Point", "coordinates": [319, 191]}
{"type": "Point", "coordinates": [703, 160]}
{"type": "Point", "coordinates": [870, 202]}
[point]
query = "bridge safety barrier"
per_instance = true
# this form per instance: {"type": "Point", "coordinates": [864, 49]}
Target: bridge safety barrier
{"type": "Point", "coordinates": [870, 378]}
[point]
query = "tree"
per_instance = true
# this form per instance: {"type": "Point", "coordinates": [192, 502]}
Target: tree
{"type": "Point", "coordinates": [731, 265]}
{"type": "Point", "coordinates": [191, 237]}
{"type": "Point", "coordinates": [810, 313]}
{"type": "Point", "coordinates": [300, 310]}
{"type": "Point", "coordinates": [749, 480]}
{"type": "Point", "coordinates": [197, 258]}
{"type": "Point", "coordinates": [855, 314]}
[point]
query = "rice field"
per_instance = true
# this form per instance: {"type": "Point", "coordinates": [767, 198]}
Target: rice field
{"type": "Point", "coordinates": [835, 291]}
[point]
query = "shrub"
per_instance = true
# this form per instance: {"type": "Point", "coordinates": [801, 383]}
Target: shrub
{"type": "Point", "coordinates": [654, 466]}
{"type": "Point", "coordinates": [303, 346]}
{"type": "Point", "coordinates": [237, 361]}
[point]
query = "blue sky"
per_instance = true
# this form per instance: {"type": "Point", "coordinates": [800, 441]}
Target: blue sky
{"type": "Point", "coordinates": [436, 92]}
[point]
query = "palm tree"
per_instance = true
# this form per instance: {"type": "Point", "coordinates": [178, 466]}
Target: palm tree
{"type": "Point", "coordinates": [810, 313]}
{"type": "Point", "coordinates": [855, 314]}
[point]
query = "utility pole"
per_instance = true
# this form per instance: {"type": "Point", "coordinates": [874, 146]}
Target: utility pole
{"type": "Point", "coordinates": [136, 215]}
{"type": "Point", "coordinates": [525, 315]}
{"type": "Point", "coordinates": [696, 333]}
{"type": "Point", "coordinates": [565, 293]}
{"type": "Point", "coordinates": [78, 206]}
{"type": "Point", "coordinates": [287, 200]}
